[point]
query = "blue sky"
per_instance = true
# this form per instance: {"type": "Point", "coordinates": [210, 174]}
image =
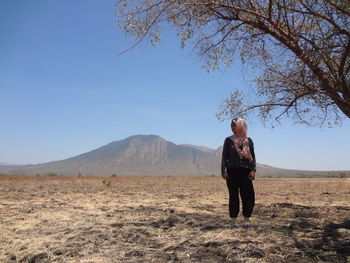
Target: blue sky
{"type": "Point", "coordinates": [64, 91]}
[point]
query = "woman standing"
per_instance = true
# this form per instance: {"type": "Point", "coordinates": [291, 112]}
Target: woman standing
{"type": "Point", "coordinates": [238, 167]}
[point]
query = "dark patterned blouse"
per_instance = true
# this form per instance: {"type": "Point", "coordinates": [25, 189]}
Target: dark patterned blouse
{"type": "Point", "coordinates": [230, 157]}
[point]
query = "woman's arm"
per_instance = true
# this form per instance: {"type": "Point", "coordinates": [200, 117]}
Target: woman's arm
{"type": "Point", "coordinates": [224, 158]}
{"type": "Point", "coordinates": [253, 154]}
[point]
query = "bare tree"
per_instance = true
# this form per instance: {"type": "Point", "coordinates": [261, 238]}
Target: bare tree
{"type": "Point", "coordinates": [299, 48]}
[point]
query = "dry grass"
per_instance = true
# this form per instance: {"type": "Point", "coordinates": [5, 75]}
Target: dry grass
{"type": "Point", "coordinates": [164, 219]}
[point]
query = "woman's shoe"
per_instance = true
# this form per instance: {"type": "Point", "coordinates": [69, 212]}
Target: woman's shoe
{"type": "Point", "coordinates": [234, 226]}
{"type": "Point", "coordinates": [247, 225]}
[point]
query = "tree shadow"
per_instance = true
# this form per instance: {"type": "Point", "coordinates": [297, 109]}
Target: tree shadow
{"type": "Point", "coordinates": [300, 224]}
{"type": "Point", "coordinates": [330, 243]}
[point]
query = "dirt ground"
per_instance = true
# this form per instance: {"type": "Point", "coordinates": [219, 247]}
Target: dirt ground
{"type": "Point", "coordinates": [165, 219]}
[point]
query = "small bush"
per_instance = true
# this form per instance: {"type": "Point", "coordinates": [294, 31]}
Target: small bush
{"type": "Point", "coordinates": [51, 174]}
{"type": "Point", "coordinates": [114, 175]}
{"type": "Point", "coordinates": [342, 175]}
{"type": "Point", "coordinates": [107, 182]}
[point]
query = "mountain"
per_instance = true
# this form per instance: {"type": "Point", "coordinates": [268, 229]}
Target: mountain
{"type": "Point", "coordinates": [147, 155]}
{"type": "Point", "coordinates": [201, 148]}
{"type": "Point", "coordinates": [135, 155]}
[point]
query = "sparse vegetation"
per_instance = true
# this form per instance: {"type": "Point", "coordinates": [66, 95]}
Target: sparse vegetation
{"type": "Point", "coordinates": [51, 174]}
{"type": "Point", "coordinates": [114, 175]}
{"type": "Point", "coordinates": [343, 175]}
{"type": "Point", "coordinates": [107, 182]}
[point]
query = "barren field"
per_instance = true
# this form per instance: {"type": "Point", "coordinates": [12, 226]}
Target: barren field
{"type": "Point", "coordinates": [165, 219]}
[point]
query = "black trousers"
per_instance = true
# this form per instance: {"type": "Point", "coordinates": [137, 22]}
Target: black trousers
{"type": "Point", "coordinates": [238, 183]}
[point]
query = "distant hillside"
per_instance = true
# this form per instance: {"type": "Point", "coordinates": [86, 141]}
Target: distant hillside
{"type": "Point", "coordinates": [147, 155]}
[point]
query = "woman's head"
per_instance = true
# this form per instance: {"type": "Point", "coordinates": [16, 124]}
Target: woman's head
{"type": "Point", "coordinates": [239, 127]}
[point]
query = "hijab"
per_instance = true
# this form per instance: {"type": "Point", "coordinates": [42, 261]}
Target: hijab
{"type": "Point", "coordinates": [240, 138]}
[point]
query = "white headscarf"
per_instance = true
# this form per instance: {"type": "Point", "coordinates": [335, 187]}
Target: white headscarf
{"type": "Point", "coordinates": [240, 138]}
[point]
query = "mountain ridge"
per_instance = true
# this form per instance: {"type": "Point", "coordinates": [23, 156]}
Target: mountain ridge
{"type": "Point", "coordinates": [142, 155]}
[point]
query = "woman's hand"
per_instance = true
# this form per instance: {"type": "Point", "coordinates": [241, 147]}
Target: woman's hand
{"type": "Point", "coordinates": [251, 175]}
{"type": "Point", "coordinates": [225, 176]}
